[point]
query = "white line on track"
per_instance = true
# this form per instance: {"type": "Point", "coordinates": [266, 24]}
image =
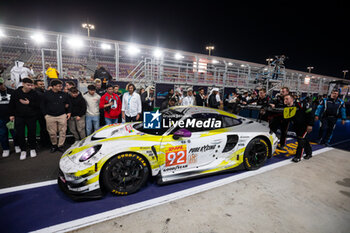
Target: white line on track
{"type": "Point", "coordinates": [97, 218]}
{"type": "Point", "coordinates": [27, 186]}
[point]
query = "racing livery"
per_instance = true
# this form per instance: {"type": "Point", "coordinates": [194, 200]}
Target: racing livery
{"type": "Point", "coordinates": [120, 158]}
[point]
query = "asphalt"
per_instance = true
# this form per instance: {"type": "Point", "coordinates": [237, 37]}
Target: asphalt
{"type": "Point", "coordinates": [310, 196]}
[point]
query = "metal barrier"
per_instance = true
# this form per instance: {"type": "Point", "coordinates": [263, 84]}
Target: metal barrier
{"type": "Point", "coordinates": [78, 56]}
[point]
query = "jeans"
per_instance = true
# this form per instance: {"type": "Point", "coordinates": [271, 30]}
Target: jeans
{"type": "Point", "coordinates": [92, 124]}
{"type": "Point", "coordinates": [110, 121]}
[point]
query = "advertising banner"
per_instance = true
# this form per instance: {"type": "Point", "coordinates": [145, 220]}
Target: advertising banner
{"type": "Point", "coordinates": [162, 90]}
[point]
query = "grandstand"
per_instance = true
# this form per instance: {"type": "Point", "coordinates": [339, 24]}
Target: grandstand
{"type": "Point", "coordinates": [145, 67]}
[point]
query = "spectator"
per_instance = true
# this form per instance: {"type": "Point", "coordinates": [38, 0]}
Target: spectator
{"type": "Point", "coordinates": [201, 98]}
{"type": "Point", "coordinates": [116, 91]}
{"type": "Point", "coordinates": [76, 122]}
{"type": "Point", "coordinates": [100, 91]}
{"type": "Point", "coordinates": [178, 96]}
{"type": "Point", "coordinates": [189, 100]}
{"type": "Point", "coordinates": [212, 100]}
{"type": "Point", "coordinates": [23, 108]}
{"type": "Point", "coordinates": [102, 74]}
{"type": "Point", "coordinates": [44, 135]}
{"type": "Point", "coordinates": [111, 104]}
{"type": "Point", "coordinates": [170, 93]}
{"type": "Point", "coordinates": [68, 86]}
{"type": "Point", "coordinates": [50, 71]}
{"type": "Point", "coordinates": [141, 91]}
{"type": "Point", "coordinates": [56, 108]}
{"type": "Point", "coordinates": [18, 73]}
{"type": "Point", "coordinates": [168, 103]}
{"type": "Point", "coordinates": [5, 96]}
{"type": "Point", "coordinates": [131, 107]}
{"type": "Point", "coordinates": [147, 99]}
{"type": "Point", "coordinates": [92, 112]}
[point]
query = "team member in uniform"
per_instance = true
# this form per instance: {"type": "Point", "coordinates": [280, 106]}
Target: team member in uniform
{"type": "Point", "coordinates": [300, 114]}
{"type": "Point", "coordinates": [263, 100]}
{"type": "Point", "coordinates": [332, 108]}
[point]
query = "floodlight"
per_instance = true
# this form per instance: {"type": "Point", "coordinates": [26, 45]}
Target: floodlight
{"type": "Point", "coordinates": [106, 46]}
{"type": "Point", "coordinates": [178, 56]}
{"type": "Point", "coordinates": [215, 62]}
{"type": "Point", "coordinates": [243, 65]}
{"type": "Point", "coordinates": [38, 38]}
{"type": "Point", "coordinates": [230, 64]}
{"type": "Point", "coordinates": [75, 42]}
{"type": "Point", "coordinates": [158, 53]}
{"type": "Point", "coordinates": [2, 33]}
{"type": "Point", "coordinates": [132, 50]}
{"type": "Point", "coordinates": [307, 80]}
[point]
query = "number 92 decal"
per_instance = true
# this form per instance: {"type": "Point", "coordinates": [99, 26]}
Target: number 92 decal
{"type": "Point", "coordinates": [175, 155]}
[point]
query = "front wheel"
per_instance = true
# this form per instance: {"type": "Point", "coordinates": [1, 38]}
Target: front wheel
{"type": "Point", "coordinates": [125, 174]}
{"type": "Point", "coordinates": [255, 154]}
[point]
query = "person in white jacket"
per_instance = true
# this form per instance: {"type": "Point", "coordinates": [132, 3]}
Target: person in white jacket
{"type": "Point", "coordinates": [18, 73]}
{"type": "Point", "coordinates": [132, 106]}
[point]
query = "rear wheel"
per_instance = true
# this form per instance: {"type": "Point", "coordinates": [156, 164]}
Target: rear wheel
{"type": "Point", "coordinates": [255, 154]}
{"type": "Point", "coordinates": [125, 174]}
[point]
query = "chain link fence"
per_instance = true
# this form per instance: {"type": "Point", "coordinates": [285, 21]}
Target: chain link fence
{"type": "Point", "coordinates": [78, 58]}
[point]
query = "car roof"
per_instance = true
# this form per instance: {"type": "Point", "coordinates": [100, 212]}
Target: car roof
{"type": "Point", "coordinates": [189, 110]}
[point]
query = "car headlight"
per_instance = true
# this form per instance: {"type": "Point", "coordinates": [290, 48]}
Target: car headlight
{"type": "Point", "coordinates": [89, 153]}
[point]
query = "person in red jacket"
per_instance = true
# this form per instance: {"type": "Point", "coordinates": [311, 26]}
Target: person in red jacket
{"type": "Point", "coordinates": [112, 106]}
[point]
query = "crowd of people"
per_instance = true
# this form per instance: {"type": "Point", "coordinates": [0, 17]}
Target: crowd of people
{"type": "Point", "coordinates": [62, 106]}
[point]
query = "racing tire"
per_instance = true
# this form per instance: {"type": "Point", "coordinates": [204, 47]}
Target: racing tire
{"type": "Point", "coordinates": [125, 174]}
{"type": "Point", "coordinates": [255, 154]}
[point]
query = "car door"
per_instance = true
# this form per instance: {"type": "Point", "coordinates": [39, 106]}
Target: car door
{"type": "Point", "coordinates": [191, 153]}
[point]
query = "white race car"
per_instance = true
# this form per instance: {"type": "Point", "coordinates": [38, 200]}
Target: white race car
{"type": "Point", "coordinates": [120, 158]}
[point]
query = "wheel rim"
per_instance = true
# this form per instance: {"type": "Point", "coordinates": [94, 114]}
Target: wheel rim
{"type": "Point", "coordinates": [125, 174]}
{"type": "Point", "coordinates": [257, 154]}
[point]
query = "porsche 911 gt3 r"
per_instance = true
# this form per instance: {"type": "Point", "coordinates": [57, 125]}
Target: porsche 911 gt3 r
{"type": "Point", "coordinates": [120, 158]}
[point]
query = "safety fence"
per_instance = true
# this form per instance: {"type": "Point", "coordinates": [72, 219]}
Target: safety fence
{"type": "Point", "coordinates": [76, 57]}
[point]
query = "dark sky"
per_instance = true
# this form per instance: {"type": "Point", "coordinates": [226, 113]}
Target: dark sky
{"type": "Point", "coordinates": [309, 33]}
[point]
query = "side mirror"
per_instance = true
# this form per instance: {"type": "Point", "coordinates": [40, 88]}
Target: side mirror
{"type": "Point", "coordinates": [182, 133]}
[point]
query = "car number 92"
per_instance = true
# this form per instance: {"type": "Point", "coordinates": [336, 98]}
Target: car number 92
{"type": "Point", "coordinates": [176, 155]}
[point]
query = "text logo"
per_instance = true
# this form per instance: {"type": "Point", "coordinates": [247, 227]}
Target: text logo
{"type": "Point", "coordinates": [151, 120]}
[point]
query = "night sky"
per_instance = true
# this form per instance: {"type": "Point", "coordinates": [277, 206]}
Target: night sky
{"type": "Point", "coordinates": [310, 34]}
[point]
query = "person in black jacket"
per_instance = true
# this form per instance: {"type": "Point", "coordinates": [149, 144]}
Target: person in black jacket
{"type": "Point", "coordinates": [5, 96]}
{"type": "Point", "coordinates": [44, 135]}
{"type": "Point", "coordinates": [76, 122]}
{"type": "Point", "coordinates": [56, 108]}
{"type": "Point", "coordinates": [102, 74]}
{"type": "Point", "coordinates": [23, 108]}
{"type": "Point", "coordinates": [213, 101]}
{"type": "Point", "coordinates": [201, 98]}
{"type": "Point", "coordinates": [147, 99]}
{"type": "Point", "coordinates": [300, 114]}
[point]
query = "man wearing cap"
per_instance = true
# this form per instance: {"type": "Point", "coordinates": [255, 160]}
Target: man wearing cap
{"type": "Point", "coordinates": [5, 97]}
{"type": "Point", "coordinates": [189, 100]}
{"type": "Point", "coordinates": [330, 109]}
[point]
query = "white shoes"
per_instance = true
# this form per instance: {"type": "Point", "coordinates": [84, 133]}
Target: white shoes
{"type": "Point", "coordinates": [5, 153]}
{"type": "Point", "coordinates": [23, 155]}
{"type": "Point", "coordinates": [32, 153]}
{"type": "Point", "coordinates": [17, 149]}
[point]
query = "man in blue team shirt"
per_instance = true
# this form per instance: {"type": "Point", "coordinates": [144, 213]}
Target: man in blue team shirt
{"type": "Point", "coordinates": [331, 109]}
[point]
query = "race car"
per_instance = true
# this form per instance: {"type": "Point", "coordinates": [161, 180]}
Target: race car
{"type": "Point", "coordinates": [192, 141]}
